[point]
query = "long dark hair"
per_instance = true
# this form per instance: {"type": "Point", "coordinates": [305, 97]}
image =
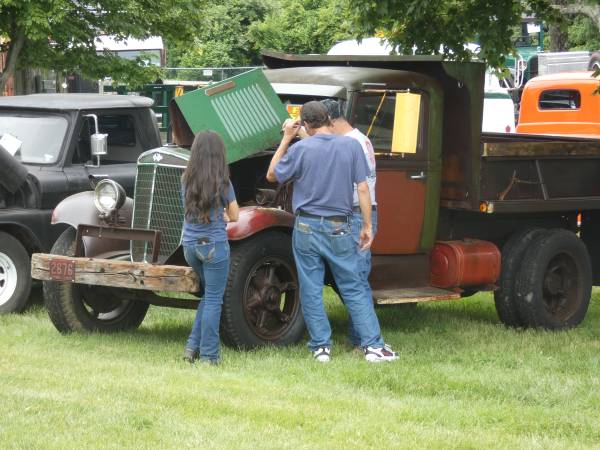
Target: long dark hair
{"type": "Point", "coordinates": [206, 178]}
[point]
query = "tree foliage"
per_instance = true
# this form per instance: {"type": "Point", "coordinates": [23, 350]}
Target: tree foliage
{"type": "Point", "coordinates": [235, 31]}
{"type": "Point", "coordinates": [222, 38]}
{"type": "Point", "coordinates": [61, 34]}
{"type": "Point", "coordinates": [302, 26]}
{"type": "Point", "coordinates": [444, 26]}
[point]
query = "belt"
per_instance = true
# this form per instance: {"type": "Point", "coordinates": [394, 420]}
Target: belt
{"type": "Point", "coordinates": [357, 208]}
{"type": "Point", "coordinates": [315, 216]}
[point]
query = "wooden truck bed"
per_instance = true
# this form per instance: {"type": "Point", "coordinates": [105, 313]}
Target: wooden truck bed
{"type": "Point", "coordinates": [526, 173]}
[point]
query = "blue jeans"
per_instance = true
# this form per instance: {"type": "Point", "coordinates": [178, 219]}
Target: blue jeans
{"type": "Point", "coordinates": [365, 267]}
{"type": "Point", "coordinates": [316, 241]}
{"type": "Point", "coordinates": [211, 263]}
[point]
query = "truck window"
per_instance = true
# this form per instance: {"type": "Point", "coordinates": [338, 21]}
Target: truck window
{"type": "Point", "coordinates": [373, 114]}
{"type": "Point", "coordinates": [120, 130]}
{"type": "Point", "coordinates": [560, 99]}
{"type": "Point", "coordinates": [41, 147]}
{"type": "Point", "coordinates": [122, 143]}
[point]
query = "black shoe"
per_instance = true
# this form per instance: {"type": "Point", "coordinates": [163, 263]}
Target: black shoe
{"type": "Point", "coordinates": [190, 355]}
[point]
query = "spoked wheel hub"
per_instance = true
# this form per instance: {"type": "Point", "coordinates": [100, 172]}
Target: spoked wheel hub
{"type": "Point", "coordinates": [271, 298]}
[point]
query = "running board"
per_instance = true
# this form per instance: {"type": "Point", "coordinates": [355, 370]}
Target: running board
{"type": "Point", "coordinates": [413, 295]}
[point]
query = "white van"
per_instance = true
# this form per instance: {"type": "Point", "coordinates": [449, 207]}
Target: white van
{"type": "Point", "coordinates": [498, 107]}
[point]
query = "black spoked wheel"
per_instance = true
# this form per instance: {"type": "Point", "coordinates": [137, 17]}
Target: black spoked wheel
{"type": "Point", "coordinates": [555, 282]}
{"type": "Point", "coordinates": [270, 298]}
{"type": "Point", "coordinates": [78, 307]}
{"type": "Point", "coordinates": [261, 304]}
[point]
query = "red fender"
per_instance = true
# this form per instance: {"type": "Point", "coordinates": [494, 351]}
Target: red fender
{"type": "Point", "coordinates": [257, 218]}
{"type": "Point", "coordinates": [79, 209]}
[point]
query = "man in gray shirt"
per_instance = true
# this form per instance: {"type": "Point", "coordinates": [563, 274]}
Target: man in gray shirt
{"type": "Point", "coordinates": [324, 168]}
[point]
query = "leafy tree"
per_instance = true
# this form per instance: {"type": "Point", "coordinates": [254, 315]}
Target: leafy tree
{"type": "Point", "coordinates": [583, 34]}
{"type": "Point", "coordinates": [61, 34]}
{"type": "Point", "coordinates": [222, 39]}
{"type": "Point", "coordinates": [429, 26]}
{"type": "Point", "coordinates": [302, 26]}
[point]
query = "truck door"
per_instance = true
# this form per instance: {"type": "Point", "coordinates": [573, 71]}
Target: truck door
{"type": "Point", "coordinates": [124, 146]}
{"type": "Point", "coordinates": [394, 122]}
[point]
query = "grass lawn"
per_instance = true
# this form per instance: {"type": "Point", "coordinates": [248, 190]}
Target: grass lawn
{"type": "Point", "coordinates": [463, 381]}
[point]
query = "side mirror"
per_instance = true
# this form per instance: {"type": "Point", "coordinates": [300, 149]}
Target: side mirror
{"type": "Point", "coordinates": [99, 144]}
{"type": "Point", "coordinates": [406, 122]}
{"type": "Point", "coordinates": [98, 141]}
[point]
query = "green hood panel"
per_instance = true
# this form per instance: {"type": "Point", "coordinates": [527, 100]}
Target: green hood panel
{"type": "Point", "coordinates": [244, 110]}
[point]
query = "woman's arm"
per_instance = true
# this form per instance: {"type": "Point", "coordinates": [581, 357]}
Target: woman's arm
{"type": "Point", "coordinates": [232, 212]}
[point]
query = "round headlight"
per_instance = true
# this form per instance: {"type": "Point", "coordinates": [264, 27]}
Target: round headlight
{"type": "Point", "coordinates": [108, 196]}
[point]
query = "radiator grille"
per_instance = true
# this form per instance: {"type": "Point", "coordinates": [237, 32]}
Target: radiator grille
{"type": "Point", "coordinates": [157, 206]}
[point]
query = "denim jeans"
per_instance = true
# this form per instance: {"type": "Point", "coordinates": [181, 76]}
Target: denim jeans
{"type": "Point", "coordinates": [316, 241]}
{"type": "Point", "coordinates": [211, 263]}
{"type": "Point", "coordinates": [365, 267]}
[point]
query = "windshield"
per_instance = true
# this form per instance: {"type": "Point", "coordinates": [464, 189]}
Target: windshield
{"type": "Point", "coordinates": [33, 139]}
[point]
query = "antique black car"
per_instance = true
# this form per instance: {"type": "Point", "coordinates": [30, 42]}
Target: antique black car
{"type": "Point", "coordinates": [47, 143]}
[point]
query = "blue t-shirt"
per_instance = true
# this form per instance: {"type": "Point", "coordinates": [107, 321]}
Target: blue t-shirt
{"type": "Point", "coordinates": [324, 169]}
{"type": "Point", "coordinates": [215, 230]}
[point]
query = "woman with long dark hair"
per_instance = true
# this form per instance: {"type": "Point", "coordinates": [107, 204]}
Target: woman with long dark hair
{"type": "Point", "coordinates": [209, 202]}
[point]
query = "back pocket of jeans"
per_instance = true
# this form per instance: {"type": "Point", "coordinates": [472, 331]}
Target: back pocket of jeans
{"type": "Point", "coordinates": [301, 237]}
{"type": "Point", "coordinates": [205, 252]}
{"type": "Point", "coordinates": [342, 244]}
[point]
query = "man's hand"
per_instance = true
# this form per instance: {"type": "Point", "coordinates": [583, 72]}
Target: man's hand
{"type": "Point", "coordinates": [366, 238]}
{"type": "Point", "coordinates": [290, 128]}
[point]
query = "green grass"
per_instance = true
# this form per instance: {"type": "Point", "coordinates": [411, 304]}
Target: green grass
{"type": "Point", "coordinates": [463, 381]}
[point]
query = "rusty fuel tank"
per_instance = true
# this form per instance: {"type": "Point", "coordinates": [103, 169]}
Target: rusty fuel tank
{"type": "Point", "coordinates": [469, 262]}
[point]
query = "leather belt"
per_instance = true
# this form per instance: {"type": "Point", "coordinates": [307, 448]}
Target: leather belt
{"type": "Point", "coordinates": [357, 208]}
{"type": "Point", "coordinates": [315, 216]}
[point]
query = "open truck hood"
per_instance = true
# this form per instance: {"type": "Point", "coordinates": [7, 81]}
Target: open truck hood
{"type": "Point", "coordinates": [244, 110]}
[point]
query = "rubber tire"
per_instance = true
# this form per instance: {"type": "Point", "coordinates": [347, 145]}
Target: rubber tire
{"type": "Point", "coordinates": [20, 258]}
{"type": "Point", "coordinates": [594, 61]}
{"type": "Point", "coordinates": [512, 257]}
{"type": "Point", "coordinates": [64, 304]}
{"type": "Point", "coordinates": [235, 331]}
{"type": "Point", "coordinates": [529, 283]}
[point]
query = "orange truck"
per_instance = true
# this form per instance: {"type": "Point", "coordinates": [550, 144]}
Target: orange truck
{"type": "Point", "coordinates": [561, 103]}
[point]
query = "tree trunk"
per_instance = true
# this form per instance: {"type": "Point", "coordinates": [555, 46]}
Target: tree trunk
{"type": "Point", "coordinates": [17, 40]}
{"type": "Point", "coordinates": [558, 38]}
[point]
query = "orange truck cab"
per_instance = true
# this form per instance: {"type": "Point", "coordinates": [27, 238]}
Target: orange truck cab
{"type": "Point", "coordinates": [561, 103]}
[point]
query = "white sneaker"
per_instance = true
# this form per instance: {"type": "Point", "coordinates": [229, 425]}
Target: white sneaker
{"type": "Point", "coordinates": [322, 354]}
{"type": "Point", "coordinates": [376, 355]}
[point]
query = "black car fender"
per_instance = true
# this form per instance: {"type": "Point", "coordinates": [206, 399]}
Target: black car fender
{"type": "Point", "coordinates": [79, 209]}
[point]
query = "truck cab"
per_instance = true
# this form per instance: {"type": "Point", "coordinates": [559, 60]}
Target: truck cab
{"type": "Point", "coordinates": [562, 104]}
{"type": "Point", "coordinates": [46, 156]}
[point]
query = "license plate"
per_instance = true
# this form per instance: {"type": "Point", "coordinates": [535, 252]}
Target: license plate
{"type": "Point", "coordinates": [62, 269]}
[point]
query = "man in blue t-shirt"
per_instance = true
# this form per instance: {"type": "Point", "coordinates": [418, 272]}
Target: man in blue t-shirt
{"type": "Point", "coordinates": [324, 169]}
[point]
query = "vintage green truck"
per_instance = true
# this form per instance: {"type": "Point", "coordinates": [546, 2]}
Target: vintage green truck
{"type": "Point", "coordinates": [449, 198]}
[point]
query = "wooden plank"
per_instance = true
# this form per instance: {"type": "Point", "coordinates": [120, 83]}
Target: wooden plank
{"type": "Point", "coordinates": [413, 295]}
{"type": "Point", "coordinates": [123, 274]}
{"type": "Point", "coordinates": [536, 149]}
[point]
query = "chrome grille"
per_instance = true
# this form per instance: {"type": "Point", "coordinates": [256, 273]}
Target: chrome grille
{"type": "Point", "coordinates": [157, 206]}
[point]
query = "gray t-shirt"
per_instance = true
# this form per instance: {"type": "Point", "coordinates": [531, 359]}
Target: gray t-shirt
{"type": "Point", "coordinates": [324, 169]}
